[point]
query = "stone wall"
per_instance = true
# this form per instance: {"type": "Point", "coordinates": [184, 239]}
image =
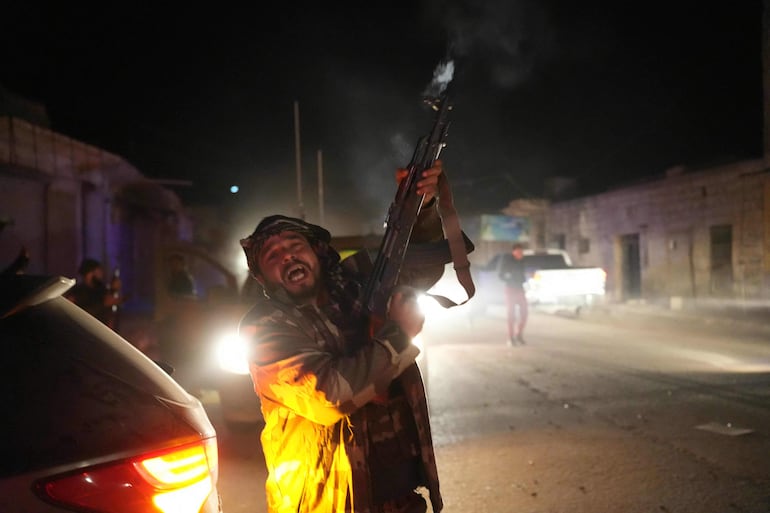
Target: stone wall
{"type": "Point", "coordinates": [677, 221]}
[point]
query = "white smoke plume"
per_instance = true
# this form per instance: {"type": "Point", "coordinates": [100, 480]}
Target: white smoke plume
{"type": "Point", "coordinates": [442, 76]}
{"type": "Point", "coordinates": [506, 39]}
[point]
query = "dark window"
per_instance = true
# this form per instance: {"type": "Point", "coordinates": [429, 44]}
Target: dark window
{"type": "Point", "coordinates": [584, 245]}
{"type": "Point", "coordinates": [721, 259]}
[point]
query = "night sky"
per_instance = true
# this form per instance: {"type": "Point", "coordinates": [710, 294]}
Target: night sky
{"type": "Point", "coordinates": [605, 92]}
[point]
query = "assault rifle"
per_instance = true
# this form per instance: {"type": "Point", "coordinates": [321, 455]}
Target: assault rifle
{"type": "Point", "coordinates": [402, 216]}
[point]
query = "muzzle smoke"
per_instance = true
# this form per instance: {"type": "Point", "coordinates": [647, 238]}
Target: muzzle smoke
{"type": "Point", "coordinates": [442, 76]}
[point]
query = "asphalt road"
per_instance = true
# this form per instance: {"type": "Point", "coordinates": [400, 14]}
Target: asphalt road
{"type": "Point", "coordinates": [598, 414]}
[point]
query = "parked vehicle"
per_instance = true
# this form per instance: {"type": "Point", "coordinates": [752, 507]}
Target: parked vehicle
{"type": "Point", "coordinates": [198, 333]}
{"type": "Point", "coordinates": [91, 424]}
{"type": "Point", "coordinates": [552, 282]}
{"type": "Point", "coordinates": [572, 288]}
{"type": "Point", "coordinates": [239, 401]}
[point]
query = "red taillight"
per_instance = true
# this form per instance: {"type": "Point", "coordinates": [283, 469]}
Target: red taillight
{"type": "Point", "coordinates": [177, 480]}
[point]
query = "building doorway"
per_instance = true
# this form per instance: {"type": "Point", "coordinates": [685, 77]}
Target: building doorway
{"type": "Point", "coordinates": [721, 260]}
{"type": "Point", "coordinates": [631, 269]}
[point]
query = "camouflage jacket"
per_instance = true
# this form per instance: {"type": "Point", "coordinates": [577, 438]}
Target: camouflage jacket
{"type": "Point", "coordinates": [314, 384]}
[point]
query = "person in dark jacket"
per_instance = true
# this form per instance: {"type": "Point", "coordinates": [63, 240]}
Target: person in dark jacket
{"type": "Point", "coordinates": [514, 274]}
{"type": "Point", "coordinates": [346, 416]}
{"type": "Point", "coordinates": [180, 282]}
{"type": "Point", "coordinates": [93, 295]}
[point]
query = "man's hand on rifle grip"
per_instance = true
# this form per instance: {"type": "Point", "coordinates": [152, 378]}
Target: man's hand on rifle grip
{"type": "Point", "coordinates": [404, 310]}
{"type": "Point", "coordinates": [428, 184]}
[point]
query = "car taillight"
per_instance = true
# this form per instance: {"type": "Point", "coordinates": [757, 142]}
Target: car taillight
{"type": "Point", "coordinates": [177, 480]}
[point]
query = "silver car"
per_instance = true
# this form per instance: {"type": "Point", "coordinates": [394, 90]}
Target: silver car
{"type": "Point", "coordinates": [90, 423]}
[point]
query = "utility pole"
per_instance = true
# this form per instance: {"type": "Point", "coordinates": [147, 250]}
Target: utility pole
{"type": "Point", "coordinates": [298, 162]}
{"type": "Point", "coordinates": [320, 187]}
{"type": "Point", "coordinates": [765, 79]}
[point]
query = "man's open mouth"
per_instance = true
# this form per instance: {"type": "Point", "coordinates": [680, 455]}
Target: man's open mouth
{"type": "Point", "coordinates": [296, 273]}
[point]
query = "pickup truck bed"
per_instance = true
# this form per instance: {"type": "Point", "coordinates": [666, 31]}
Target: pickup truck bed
{"type": "Point", "coordinates": [573, 287]}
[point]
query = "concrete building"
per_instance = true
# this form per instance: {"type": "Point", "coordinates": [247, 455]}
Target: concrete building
{"type": "Point", "coordinates": [691, 235]}
{"type": "Point", "coordinates": [64, 200]}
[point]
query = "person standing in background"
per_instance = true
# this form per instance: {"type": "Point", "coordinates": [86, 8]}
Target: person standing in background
{"type": "Point", "coordinates": [513, 274]}
{"type": "Point", "coordinates": [180, 281]}
{"type": "Point", "coordinates": [92, 294]}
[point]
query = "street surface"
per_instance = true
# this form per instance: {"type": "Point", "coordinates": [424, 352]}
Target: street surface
{"type": "Point", "coordinates": [597, 414]}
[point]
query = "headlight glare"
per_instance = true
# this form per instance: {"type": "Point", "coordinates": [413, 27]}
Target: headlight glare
{"type": "Point", "coordinates": [232, 355]}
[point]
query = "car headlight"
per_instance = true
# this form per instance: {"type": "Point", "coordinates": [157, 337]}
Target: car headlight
{"type": "Point", "coordinates": [232, 354]}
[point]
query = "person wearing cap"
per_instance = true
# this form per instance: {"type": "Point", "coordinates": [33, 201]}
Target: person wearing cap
{"type": "Point", "coordinates": [346, 416]}
{"type": "Point", "coordinates": [90, 292]}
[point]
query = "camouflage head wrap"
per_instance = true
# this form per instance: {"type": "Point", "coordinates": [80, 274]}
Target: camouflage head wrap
{"type": "Point", "coordinates": [275, 224]}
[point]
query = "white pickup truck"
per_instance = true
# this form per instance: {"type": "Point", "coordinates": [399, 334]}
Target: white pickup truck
{"type": "Point", "coordinates": [552, 282]}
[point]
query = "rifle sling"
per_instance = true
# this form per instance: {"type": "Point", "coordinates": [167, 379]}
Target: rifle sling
{"type": "Point", "coordinates": [457, 244]}
{"type": "Point", "coordinates": [428, 254]}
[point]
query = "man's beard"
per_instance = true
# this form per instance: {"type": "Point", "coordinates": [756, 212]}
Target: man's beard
{"type": "Point", "coordinates": [304, 295]}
